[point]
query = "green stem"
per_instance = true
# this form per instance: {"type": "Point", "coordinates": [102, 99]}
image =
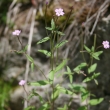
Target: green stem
{"type": "Point", "coordinates": [94, 48]}
{"type": "Point", "coordinates": [82, 45]}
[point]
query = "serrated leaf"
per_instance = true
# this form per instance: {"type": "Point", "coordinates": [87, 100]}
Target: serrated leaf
{"type": "Point", "coordinates": [39, 83]}
{"type": "Point", "coordinates": [96, 101]}
{"type": "Point", "coordinates": [43, 40]}
{"type": "Point", "coordinates": [61, 44]}
{"type": "Point", "coordinates": [45, 52]}
{"type": "Point", "coordinates": [78, 88]}
{"type": "Point", "coordinates": [66, 91]}
{"type": "Point", "coordinates": [87, 49]}
{"type": "Point", "coordinates": [96, 55]}
{"type": "Point", "coordinates": [92, 68]}
{"type": "Point", "coordinates": [87, 79]}
{"type": "Point", "coordinates": [59, 67]}
{"type": "Point", "coordinates": [95, 75]}
{"type": "Point", "coordinates": [30, 58]}
{"type": "Point", "coordinates": [79, 67]}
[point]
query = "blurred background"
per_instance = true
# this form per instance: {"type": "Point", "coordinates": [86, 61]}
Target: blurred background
{"type": "Point", "coordinates": [88, 18]}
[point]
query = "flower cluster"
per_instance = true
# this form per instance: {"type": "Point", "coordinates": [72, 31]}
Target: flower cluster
{"type": "Point", "coordinates": [106, 44]}
{"type": "Point", "coordinates": [59, 12]}
{"type": "Point", "coordinates": [22, 82]}
{"type": "Point", "coordinates": [16, 32]}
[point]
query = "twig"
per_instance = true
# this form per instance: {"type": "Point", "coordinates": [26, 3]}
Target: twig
{"type": "Point", "coordinates": [29, 48]}
{"type": "Point", "coordinates": [98, 15]}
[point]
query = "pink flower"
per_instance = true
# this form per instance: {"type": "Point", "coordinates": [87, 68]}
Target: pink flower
{"type": "Point", "coordinates": [59, 12]}
{"type": "Point", "coordinates": [22, 82]}
{"type": "Point", "coordinates": [106, 44]}
{"type": "Point", "coordinates": [16, 32]}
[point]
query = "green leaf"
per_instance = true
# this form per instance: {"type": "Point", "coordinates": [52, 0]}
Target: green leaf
{"type": "Point", "coordinates": [96, 101]}
{"type": "Point", "coordinates": [96, 81]}
{"type": "Point", "coordinates": [84, 95]}
{"type": "Point", "coordinates": [36, 94]}
{"type": "Point", "coordinates": [52, 24]}
{"type": "Point", "coordinates": [32, 66]}
{"type": "Point", "coordinates": [46, 106]}
{"type": "Point", "coordinates": [77, 88]}
{"type": "Point", "coordinates": [96, 55]}
{"type": "Point", "coordinates": [79, 67]}
{"type": "Point", "coordinates": [92, 68]}
{"type": "Point", "coordinates": [95, 75]}
{"type": "Point", "coordinates": [48, 28]}
{"type": "Point", "coordinates": [39, 83]}
{"type": "Point", "coordinates": [30, 108]}
{"type": "Point", "coordinates": [30, 58]}
{"type": "Point", "coordinates": [82, 108]}
{"type": "Point", "coordinates": [87, 79]}
{"type": "Point", "coordinates": [45, 52]}
{"type": "Point", "coordinates": [56, 92]}
{"type": "Point", "coordinates": [92, 49]}
{"type": "Point", "coordinates": [63, 108]}
{"type": "Point", "coordinates": [66, 91]}
{"type": "Point", "coordinates": [43, 40]}
{"type": "Point", "coordinates": [70, 74]}
{"type": "Point", "coordinates": [60, 33]}
{"type": "Point", "coordinates": [19, 52]}
{"type": "Point", "coordinates": [87, 49]}
{"type": "Point", "coordinates": [25, 48]}
{"type": "Point", "coordinates": [59, 67]}
{"type": "Point", "coordinates": [61, 44]}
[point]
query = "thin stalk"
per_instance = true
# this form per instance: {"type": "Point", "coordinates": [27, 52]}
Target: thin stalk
{"type": "Point", "coordinates": [20, 41]}
{"type": "Point", "coordinates": [67, 19]}
{"type": "Point", "coordinates": [94, 48]}
{"type": "Point", "coordinates": [41, 71]}
{"type": "Point", "coordinates": [52, 43]}
{"type": "Point", "coordinates": [45, 17]}
{"type": "Point", "coordinates": [52, 61]}
{"type": "Point", "coordinates": [25, 90]}
{"type": "Point", "coordinates": [82, 44]}
{"type": "Point", "coordinates": [57, 50]}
